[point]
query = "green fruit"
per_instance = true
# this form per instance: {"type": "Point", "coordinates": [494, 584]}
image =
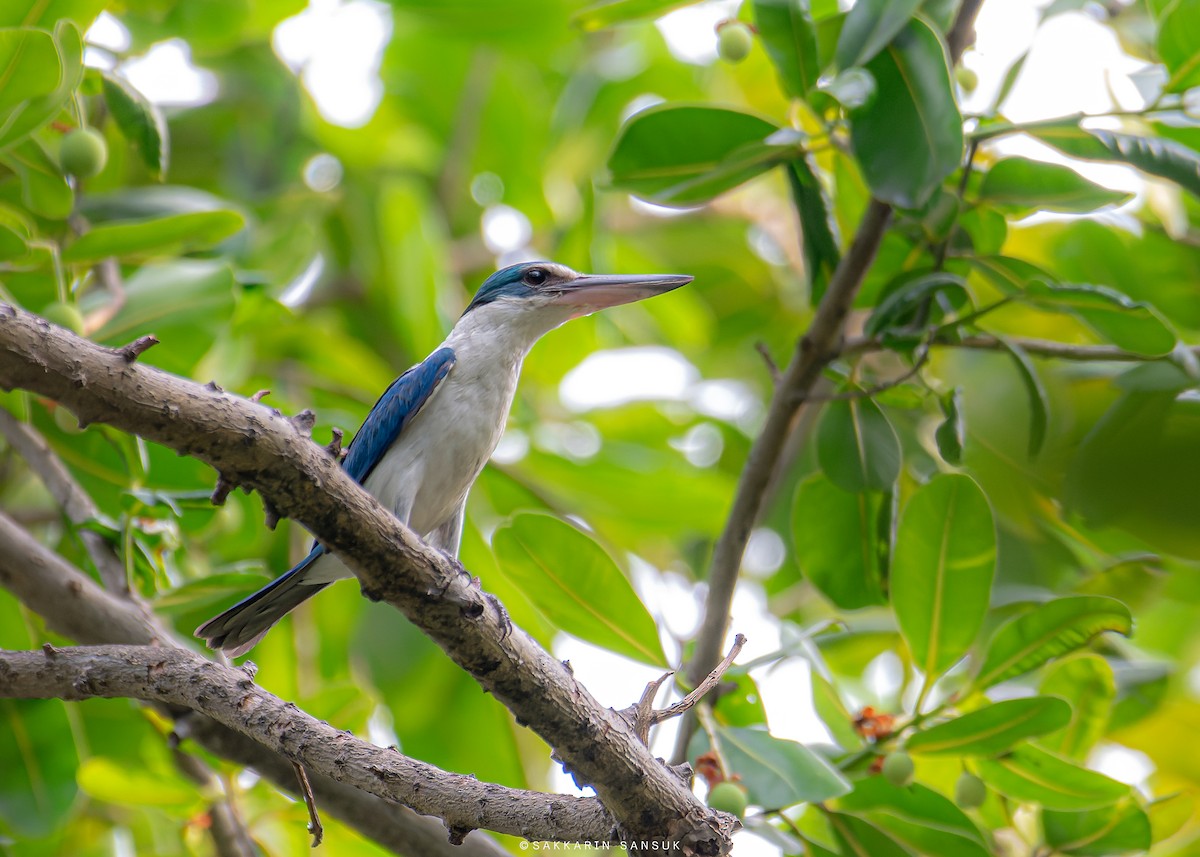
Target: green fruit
{"type": "Point", "coordinates": [64, 315]}
{"type": "Point", "coordinates": [969, 791]}
{"type": "Point", "coordinates": [966, 78]}
{"type": "Point", "coordinates": [734, 41]}
{"type": "Point", "coordinates": [728, 797]}
{"type": "Point", "coordinates": [83, 153]}
{"type": "Point", "coordinates": [898, 768]}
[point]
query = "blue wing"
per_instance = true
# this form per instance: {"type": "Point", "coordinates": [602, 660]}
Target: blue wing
{"type": "Point", "coordinates": [396, 408]}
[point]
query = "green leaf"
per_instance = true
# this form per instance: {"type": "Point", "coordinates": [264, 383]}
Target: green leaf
{"type": "Point", "coordinates": [818, 228]}
{"type": "Point", "coordinates": [837, 542]}
{"type": "Point", "coordinates": [904, 304]}
{"type": "Point", "coordinates": [917, 817]}
{"type": "Point", "coordinates": [1088, 682]}
{"type": "Point", "coordinates": [1123, 829]}
{"type": "Point", "coordinates": [687, 154]}
{"type": "Point", "coordinates": [115, 783]}
{"type": "Point", "coordinates": [910, 137]}
{"type": "Point", "coordinates": [950, 432]}
{"type": "Point", "coordinates": [1048, 631]}
{"type": "Point", "coordinates": [993, 728]}
{"type": "Point", "coordinates": [1179, 44]}
{"type": "Point", "coordinates": [870, 26]}
{"type": "Point", "coordinates": [601, 15]}
{"type": "Point", "coordinates": [1168, 159]}
{"type": "Point", "coordinates": [44, 13]}
{"type": "Point", "coordinates": [36, 112]}
{"type": "Point", "coordinates": [942, 568]}
{"type": "Point", "coordinates": [1023, 186]}
{"type": "Point", "coordinates": [576, 585]}
{"type": "Point", "coordinates": [43, 189]}
{"type": "Point", "coordinates": [38, 757]}
{"type": "Point", "coordinates": [861, 838]}
{"type": "Point", "coordinates": [853, 88]}
{"type": "Point", "coordinates": [156, 237]}
{"type": "Point", "coordinates": [1032, 775]}
{"type": "Point", "coordinates": [29, 67]}
{"type": "Point", "coordinates": [832, 711]}
{"type": "Point", "coordinates": [779, 773]}
{"type": "Point", "coordinates": [1009, 275]}
{"type": "Point", "coordinates": [787, 33]}
{"type": "Point", "coordinates": [1126, 323]}
{"type": "Point", "coordinates": [857, 446]}
{"type": "Point", "coordinates": [1039, 401]}
{"type": "Point", "coordinates": [140, 122]}
{"type": "Point", "coordinates": [1169, 814]}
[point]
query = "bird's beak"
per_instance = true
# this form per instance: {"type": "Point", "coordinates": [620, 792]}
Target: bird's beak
{"type": "Point", "coordinates": [600, 291]}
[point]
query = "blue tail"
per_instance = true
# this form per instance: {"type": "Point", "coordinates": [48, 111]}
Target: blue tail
{"type": "Point", "coordinates": [239, 628]}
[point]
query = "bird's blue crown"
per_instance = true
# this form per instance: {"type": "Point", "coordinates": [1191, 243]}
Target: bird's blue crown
{"type": "Point", "coordinates": [506, 283]}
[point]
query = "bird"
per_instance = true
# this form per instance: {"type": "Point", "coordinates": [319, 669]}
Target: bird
{"type": "Point", "coordinates": [427, 439]}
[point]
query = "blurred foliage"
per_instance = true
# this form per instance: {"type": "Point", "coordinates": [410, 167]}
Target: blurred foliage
{"type": "Point", "coordinates": [990, 552]}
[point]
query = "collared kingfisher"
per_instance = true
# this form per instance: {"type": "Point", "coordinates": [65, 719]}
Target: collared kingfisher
{"type": "Point", "coordinates": [428, 437]}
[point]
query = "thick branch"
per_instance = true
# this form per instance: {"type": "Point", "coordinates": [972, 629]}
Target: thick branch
{"type": "Point", "coordinates": [229, 696]}
{"type": "Point", "coordinates": [253, 447]}
{"type": "Point", "coordinates": [74, 606]}
{"type": "Point", "coordinates": [815, 350]}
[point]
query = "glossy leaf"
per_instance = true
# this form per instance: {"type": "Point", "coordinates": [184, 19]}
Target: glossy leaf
{"type": "Point", "coordinates": [1032, 775]}
{"type": "Point", "coordinates": [43, 189]}
{"type": "Point", "coordinates": [905, 303]}
{"type": "Point", "coordinates": [600, 15]}
{"type": "Point", "coordinates": [942, 568]}
{"type": "Point", "coordinates": [1087, 681]}
{"type": "Point", "coordinates": [1035, 391]}
{"type": "Point", "coordinates": [1158, 156]}
{"type": "Point", "coordinates": [856, 836]}
{"type": "Point", "coordinates": [44, 13]}
{"type": "Point", "coordinates": [685, 155]}
{"type": "Point", "coordinates": [950, 431]}
{"type": "Point", "coordinates": [869, 26]}
{"type": "Point", "coordinates": [818, 228]}
{"type": "Point", "coordinates": [910, 137]}
{"type": "Point", "coordinates": [1179, 44]}
{"type": "Point", "coordinates": [917, 817]}
{"type": "Point", "coordinates": [140, 121]}
{"type": "Point", "coordinates": [109, 781]}
{"type": "Point", "coordinates": [1130, 324]}
{"type": "Point", "coordinates": [1011, 276]}
{"type": "Point", "coordinates": [576, 585]}
{"type": "Point", "coordinates": [787, 33]}
{"type": "Point", "coordinates": [779, 773]}
{"type": "Point", "coordinates": [37, 111]}
{"type": "Point", "coordinates": [157, 237]}
{"type": "Point", "coordinates": [994, 728]}
{"type": "Point", "coordinates": [29, 67]}
{"type": "Point", "coordinates": [837, 542]}
{"type": "Point", "coordinates": [1108, 832]}
{"type": "Point", "coordinates": [857, 446]}
{"type": "Point", "coordinates": [832, 711]}
{"type": "Point", "coordinates": [1048, 631]}
{"type": "Point", "coordinates": [1023, 186]}
{"type": "Point", "coordinates": [39, 760]}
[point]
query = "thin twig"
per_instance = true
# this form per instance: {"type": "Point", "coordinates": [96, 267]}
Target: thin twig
{"type": "Point", "coordinates": [314, 820]}
{"type": "Point", "coordinates": [772, 366]}
{"type": "Point", "coordinates": [883, 386]}
{"type": "Point", "coordinates": [710, 681]}
{"type": "Point", "coordinates": [131, 352]}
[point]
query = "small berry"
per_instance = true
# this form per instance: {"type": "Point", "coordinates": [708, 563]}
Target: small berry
{"type": "Point", "coordinates": [966, 78]}
{"type": "Point", "coordinates": [734, 41]}
{"type": "Point", "coordinates": [898, 768]}
{"type": "Point", "coordinates": [83, 153]}
{"type": "Point", "coordinates": [64, 315]}
{"type": "Point", "coordinates": [969, 791]}
{"type": "Point", "coordinates": [729, 797]}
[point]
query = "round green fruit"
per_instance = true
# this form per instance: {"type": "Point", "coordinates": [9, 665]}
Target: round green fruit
{"type": "Point", "coordinates": [83, 153]}
{"type": "Point", "coordinates": [898, 768]}
{"type": "Point", "coordinates": [734, 41]}
{"type": "Point", "coordinates": [64, 315]}
{"type": "Point", "coordinates": [729, 797]}
{"type": "Point", "coordinates": [966, 78]}
{"type": "Point", "coordinates": [969, 791]}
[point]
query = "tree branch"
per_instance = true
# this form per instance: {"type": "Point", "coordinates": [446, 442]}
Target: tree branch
{"type": "Point", "coordinates": [251, 446]}
{"type": "Point", "coordinates": [1037, 347]}
{"type": "Point", "coordinates": [67, 493]}
{"type": "Point", "coordinates": [816, 349]}
{"type": "Point", "coordinates": [74, 606]}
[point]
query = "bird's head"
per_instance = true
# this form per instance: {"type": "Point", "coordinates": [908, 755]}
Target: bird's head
{"type": "Point", "coordinates": [556, 292]}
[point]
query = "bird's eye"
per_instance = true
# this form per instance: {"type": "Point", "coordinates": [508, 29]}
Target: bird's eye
{"type": "Point", "coordinates": [535, 276]}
